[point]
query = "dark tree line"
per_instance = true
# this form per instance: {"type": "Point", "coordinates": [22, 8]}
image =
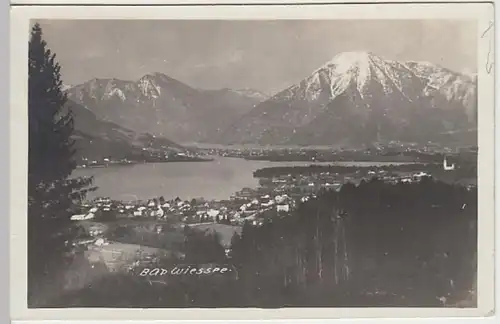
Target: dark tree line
{"type": "Point", "coordinates": [51, 192]}
{"type": "Point", "coordinates": [407, 243]}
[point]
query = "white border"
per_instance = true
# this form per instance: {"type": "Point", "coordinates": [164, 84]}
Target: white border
{"type": "Point", "coordinates": [20, 17]}
{"type": "Point", "coordinates": [209, 2]}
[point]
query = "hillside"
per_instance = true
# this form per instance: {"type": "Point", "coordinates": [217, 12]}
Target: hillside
{"type": "Point", "coordinates": [96, 139]}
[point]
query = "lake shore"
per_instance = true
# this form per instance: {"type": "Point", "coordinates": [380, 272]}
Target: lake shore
{"type": "Point", "coordinates": [112, 164]}
{"type": "Point", "coordinates": [217, 179]}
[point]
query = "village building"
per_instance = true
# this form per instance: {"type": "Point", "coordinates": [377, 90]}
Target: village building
{"type": "Point", "coordinates": [283, 208]}
{"type": "Point", "coordinates": [448, 167]}
{"type": "Point", "coordinates": [213, 213]}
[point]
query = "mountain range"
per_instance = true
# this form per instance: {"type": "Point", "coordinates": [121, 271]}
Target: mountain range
{"type": "Point", "coordinates": [360, 98]}
{"type": "Point", "coordinates": [354, 99]}
{"type": "Point", "coordinates": [163, 106]}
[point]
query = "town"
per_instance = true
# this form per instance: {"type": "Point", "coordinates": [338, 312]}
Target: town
{"type": "Point", "coordinates": [279, 192]}
{"type": "Point", "coordinates": [146, 156]}
{"type": "Point", "coordinates": [392, 152]}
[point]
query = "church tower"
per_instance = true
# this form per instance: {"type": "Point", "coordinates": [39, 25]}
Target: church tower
{"type": "Point", "coordinates": [447, 167]}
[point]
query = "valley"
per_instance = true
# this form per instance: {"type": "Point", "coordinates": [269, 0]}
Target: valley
{"type": "Point", "coordinates": [322, 163]}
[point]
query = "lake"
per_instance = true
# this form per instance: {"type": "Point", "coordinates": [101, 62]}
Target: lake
{"type": "Point", "coordinates": [217, 179]}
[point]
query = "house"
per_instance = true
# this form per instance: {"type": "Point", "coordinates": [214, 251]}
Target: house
{"type": "Point", "coordinates": [280, 199]}
{"type": "Point", "coordinates": [420, 175]}
{"type": "Point", "coordinates": [99, 242]}
{"type": "Point", "coordinates": [267, 204]}
{"type": "Point", "coordinates": [283, 208]}
{"type": "Point", "coordinates": [245, 192]}
{"type": "Point", "coordinates": [213, 213]}
{"type": "Point", "coordinates": [78, 217]}
{"type": "Point", "coordinates": [160, 213]}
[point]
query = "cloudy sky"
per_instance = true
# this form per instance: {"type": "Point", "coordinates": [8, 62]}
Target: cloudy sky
{"type": "Point", "coordinates": [264, 55]}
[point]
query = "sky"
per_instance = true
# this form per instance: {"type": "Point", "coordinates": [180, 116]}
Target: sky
{"type": "Point", "coordinates": [264, 55]}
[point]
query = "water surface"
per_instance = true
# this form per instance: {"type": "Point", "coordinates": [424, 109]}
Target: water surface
{"type": "Point", "coordinates": [217, 179]}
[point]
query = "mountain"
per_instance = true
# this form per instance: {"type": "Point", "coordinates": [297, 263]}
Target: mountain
{"type": "Point", "coordinates": [252, 93]}
{"type": "Point", "coordinates": [453, 89]}
{"type": "Point", "coordinates": [163, 106]}
{"type": "Point", "coordinates": [96, 139]}
{"type": "Point", "coordinates": [359, 98]}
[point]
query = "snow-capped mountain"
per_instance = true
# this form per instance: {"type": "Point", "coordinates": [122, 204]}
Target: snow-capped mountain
{"type": "Point", "coordinates": [454, 88]}
{"type": "Point", "coordinates": [163, 106]}
{"type": "Point", "coordinates": [358, 97]}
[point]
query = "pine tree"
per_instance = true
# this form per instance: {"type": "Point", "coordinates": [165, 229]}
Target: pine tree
{"type": "Point", "coordinates": [51, 194]}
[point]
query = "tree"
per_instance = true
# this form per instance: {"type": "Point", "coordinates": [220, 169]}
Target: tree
{"type": "Point", "coordinates": [51, 193]}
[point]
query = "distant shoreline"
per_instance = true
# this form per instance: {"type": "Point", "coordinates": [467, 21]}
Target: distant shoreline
{"type": "Point", "coordinates": [375, 159]}
{"type": "Point", "coordinates": [111, 164]}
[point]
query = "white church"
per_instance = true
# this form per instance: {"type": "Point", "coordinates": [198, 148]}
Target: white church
{"type": "Point", "coordinates": [448, 167]}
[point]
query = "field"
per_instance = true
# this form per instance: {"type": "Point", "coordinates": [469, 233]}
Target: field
{"type": "Point", "coordinates": [226, 232]}
{"type": "Point", "coordinates": [117, 255]}
{"type": "Point", "coordinates": [140, 240]}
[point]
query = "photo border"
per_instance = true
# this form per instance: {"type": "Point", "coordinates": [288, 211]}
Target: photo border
{"type": "Point", "coordinates": [19, 33]}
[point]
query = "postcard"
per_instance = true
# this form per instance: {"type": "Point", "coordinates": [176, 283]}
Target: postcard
{"type": "Point", "coordinates": [252, 162]}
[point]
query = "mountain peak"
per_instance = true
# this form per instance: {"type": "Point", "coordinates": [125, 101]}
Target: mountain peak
{"type": "Point", "coordinates": [351, 58]}
{"type": "Point", "coordinates": [154, 76]}
{"type": "Point", "coordinates": [365, 70]}
{"type": "Point", "coordinates": [149, 86]}
{"type": "Point", "coordinates": [358, 96]}
{"type": "Point", "coordinates": [354, 55]}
